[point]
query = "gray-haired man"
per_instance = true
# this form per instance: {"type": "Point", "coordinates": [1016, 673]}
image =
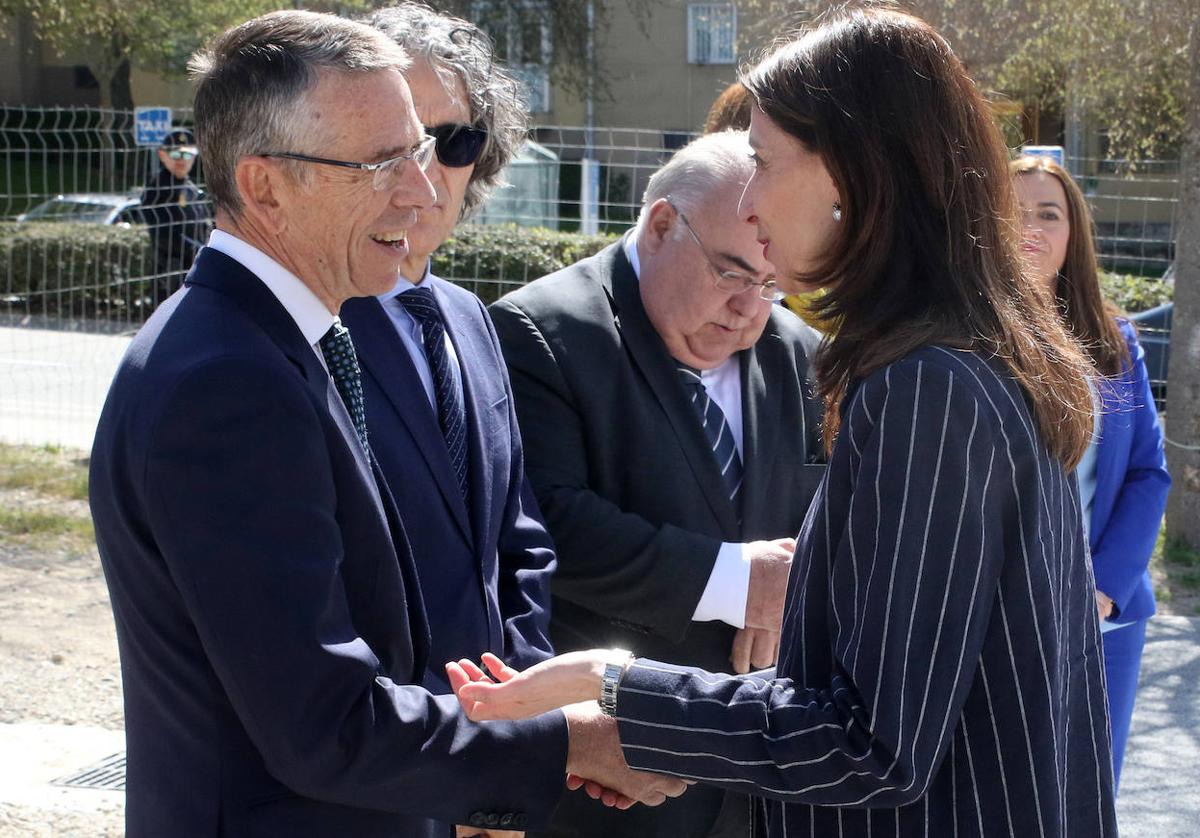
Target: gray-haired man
{"type": "Point", "coordinates": [671, 438]}
{"type": "Point", "coordinates": [269, 614]}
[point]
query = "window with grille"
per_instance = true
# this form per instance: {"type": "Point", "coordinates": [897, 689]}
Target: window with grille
{"type": "Point", "coordinates": [712, 33]}
{"type": "Point", "coordinates": [521, 34]}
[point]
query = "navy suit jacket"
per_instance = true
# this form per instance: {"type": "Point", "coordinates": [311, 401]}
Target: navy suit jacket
{"type": "Point", "coordinates": [1131, 487]}
{"type": "Point", "coordinates": [268, 611]}
{"type": "Point", "coordinates": [484, 570]}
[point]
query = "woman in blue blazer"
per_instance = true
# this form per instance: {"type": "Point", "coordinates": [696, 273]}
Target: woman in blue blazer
{"type": "Point", "coordinates": [1123, 478]}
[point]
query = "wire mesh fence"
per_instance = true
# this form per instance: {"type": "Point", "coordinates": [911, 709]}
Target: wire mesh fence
{"type": "Point", "coordinates": [89, 245]}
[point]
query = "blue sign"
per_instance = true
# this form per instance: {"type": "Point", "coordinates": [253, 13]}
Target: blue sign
{"type": "Point", "coordinates": [1054, 152]}
{"type": "Point", "coordinates": [151, 125]}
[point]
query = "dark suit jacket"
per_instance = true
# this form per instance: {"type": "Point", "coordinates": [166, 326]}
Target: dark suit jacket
{"type": "Point", "coordinates": [268, 611]}
{"type": "Point", "coordinates": [628, 483]}
{"type": "Point", "coordinates": [940, 667]}
{"type": "Point", "coordinates": [484, 571]}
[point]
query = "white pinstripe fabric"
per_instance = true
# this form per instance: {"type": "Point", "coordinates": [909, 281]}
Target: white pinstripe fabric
{"type": "Point", "coordinates": [940, 668]}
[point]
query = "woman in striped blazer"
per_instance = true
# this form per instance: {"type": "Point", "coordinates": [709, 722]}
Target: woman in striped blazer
{"type": "Point", "coordinates": [1123, 479]}
{"type": "Point", "coordinates": [940, 667]}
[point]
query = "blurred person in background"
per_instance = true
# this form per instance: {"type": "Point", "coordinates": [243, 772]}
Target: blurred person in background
{"type": "Point", "coordinates": [1123, 480]}
{"type": "Point", "coordinates": [176, 212]}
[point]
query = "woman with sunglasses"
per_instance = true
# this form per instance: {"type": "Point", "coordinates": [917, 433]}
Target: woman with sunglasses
{"type": "Point", "coordinates": [438, 409]}
{"type": "Point", "coordinates": [1123, 479]}
{"type": "Point", "coordinates": [939, 670]}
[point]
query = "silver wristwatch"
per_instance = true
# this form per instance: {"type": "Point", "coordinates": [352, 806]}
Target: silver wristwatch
{"type": "Point", "coordinates": [613, 672]}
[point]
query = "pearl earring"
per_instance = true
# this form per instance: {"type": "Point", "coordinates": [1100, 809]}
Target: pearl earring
{"type": "Point", "coordinates": [837, 211]}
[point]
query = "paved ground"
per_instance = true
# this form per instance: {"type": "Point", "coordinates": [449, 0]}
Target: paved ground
{"type": "Point", "coordinates": [52, 384]}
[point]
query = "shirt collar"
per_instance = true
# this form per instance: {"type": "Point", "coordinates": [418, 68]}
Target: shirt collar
{"type": "Point", "coordinates": [631, 253]}
{"type": "Point", "coordinates": [301, 304]}
{"type": "Point", "coordinates": [402, 285]}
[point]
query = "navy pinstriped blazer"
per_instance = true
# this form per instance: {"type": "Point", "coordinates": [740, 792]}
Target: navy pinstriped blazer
{"type": "Point", "coordinates": [940, 672]}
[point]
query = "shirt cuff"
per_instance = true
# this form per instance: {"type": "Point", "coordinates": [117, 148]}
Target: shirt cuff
{"type": "Point", "coordinates": [724, 596]}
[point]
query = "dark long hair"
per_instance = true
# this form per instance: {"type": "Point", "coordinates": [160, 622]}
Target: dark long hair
{"type": "Point", "coordinates": [928, 247]}
{"type": "Point", "coordinates": [1090, 317]}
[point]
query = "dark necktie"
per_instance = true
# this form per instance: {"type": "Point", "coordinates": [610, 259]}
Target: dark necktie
{"type": "Point", "coordinates": [720, 435]}
{"type": "Point", "coordinates": [422, 306]}
{"type": "Point", "coordinates": [342, 361]}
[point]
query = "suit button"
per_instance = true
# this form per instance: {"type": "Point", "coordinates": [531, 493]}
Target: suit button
{"type": "Point", "coordinates": [492, 819]}
{"type": "Point", "coordinates": [519, 820]}
{"type": "Point", "coordinates": [506, 819]}
{"type": "Point", "coordinates": [478, 819]}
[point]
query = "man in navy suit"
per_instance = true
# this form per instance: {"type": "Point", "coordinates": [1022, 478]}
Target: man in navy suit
{"type": "Point", "coordinates": [482, 553]}
{"type": "Point", "coordinates": [269, 615]}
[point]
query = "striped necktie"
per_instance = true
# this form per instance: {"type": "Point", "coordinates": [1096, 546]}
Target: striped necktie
{"type": "Point", "coordinates": [720, 435]}
{"type": "Point", "coordinates": [422, 305]}
{"type": "Point", "coordinates": [342, 362]}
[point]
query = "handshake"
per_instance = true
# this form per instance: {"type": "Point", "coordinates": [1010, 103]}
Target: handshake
{"type": "Point", "coordinates": [571, 681]}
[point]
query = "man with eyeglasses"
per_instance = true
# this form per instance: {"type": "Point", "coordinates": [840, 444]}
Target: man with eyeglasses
{"type": "Point", "coordinates": [438, 403]}
{"type": "Point", "coordinates": [175, 211]}
{"type": "Point", "coordinates": [269, 612]}
{"type": "Point", "coordinates": [671, 438]}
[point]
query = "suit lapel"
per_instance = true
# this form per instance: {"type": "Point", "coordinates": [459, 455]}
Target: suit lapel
{"type": "Point", "coordinates": [650, 355]}
{"type": "Point", "coordinates": [478, 401]}
{"type": "Point", "coordinates": [215, 270]}
{"type": "Point", "coordinates": [383, 356]}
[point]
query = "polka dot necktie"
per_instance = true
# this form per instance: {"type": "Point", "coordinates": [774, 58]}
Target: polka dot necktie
{"type": "Point", "coordinates": [720, 435]}
{"type": "Point", "coordinates": [422, 305]}
{"type": "Point", "coordinates": [342, 361]}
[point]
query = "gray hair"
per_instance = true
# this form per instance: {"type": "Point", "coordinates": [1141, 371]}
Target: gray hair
{"type": "Point", "coordinates": [696, 171]}
{"type": "Point", "coordinates": [457, 49]}
{"type": "Point", "coordinates": [252, 82]}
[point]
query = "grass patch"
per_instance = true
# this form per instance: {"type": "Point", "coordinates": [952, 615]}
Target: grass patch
{"type": "Point", "coordinates": [1179, 574]}
{"type": "Point", "coordinates": [43, 488]}
{"type": "Point", "coordinates": [47, 471]}
{"type": "Point", "coordinates": [38, 523]}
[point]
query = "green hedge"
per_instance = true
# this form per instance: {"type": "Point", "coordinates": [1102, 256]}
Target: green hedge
{"type": "Point", "coordinates": [93, 270]}
{"type": "Point", "coordinates": [74, 270]}
{"type": "Point", "coordinates": [493, 260]}
{"type": "Point", "coordinates": [1132, 293]}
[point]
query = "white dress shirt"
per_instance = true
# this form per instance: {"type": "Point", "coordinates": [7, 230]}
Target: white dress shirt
{"type": "Point", "coordinates": [724, 596]}
{"type": "Point", "coordinates": [414, 342]}
{"type": "Point", "coordinates": [302, 305]}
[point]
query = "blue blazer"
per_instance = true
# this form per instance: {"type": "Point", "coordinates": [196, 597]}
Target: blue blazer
{"type": "Point", "coordinates": [485, 571]}
{"type": "Point", "coordinates": [268, 610]}
{"type": "Point", "coordinates": [1131, 487]}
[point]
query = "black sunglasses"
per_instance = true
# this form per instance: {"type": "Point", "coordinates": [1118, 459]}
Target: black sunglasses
{"type": "Point", "coordinates": [458, 145]}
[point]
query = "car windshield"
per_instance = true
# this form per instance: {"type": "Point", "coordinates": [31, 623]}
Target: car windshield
{"type": "Point", "coordinates": [62, 210]}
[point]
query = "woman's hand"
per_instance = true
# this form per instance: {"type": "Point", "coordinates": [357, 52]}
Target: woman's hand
{"type": "Point", "coordinates": [546, 686]}
{"type": "Point", "coordinates": [1104, 604]}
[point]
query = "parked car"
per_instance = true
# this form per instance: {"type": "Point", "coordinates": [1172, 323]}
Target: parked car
{"type": "Point", "coordinates": [1154, 334]}
{"type": "Point", "coordinates": [86, 207]}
